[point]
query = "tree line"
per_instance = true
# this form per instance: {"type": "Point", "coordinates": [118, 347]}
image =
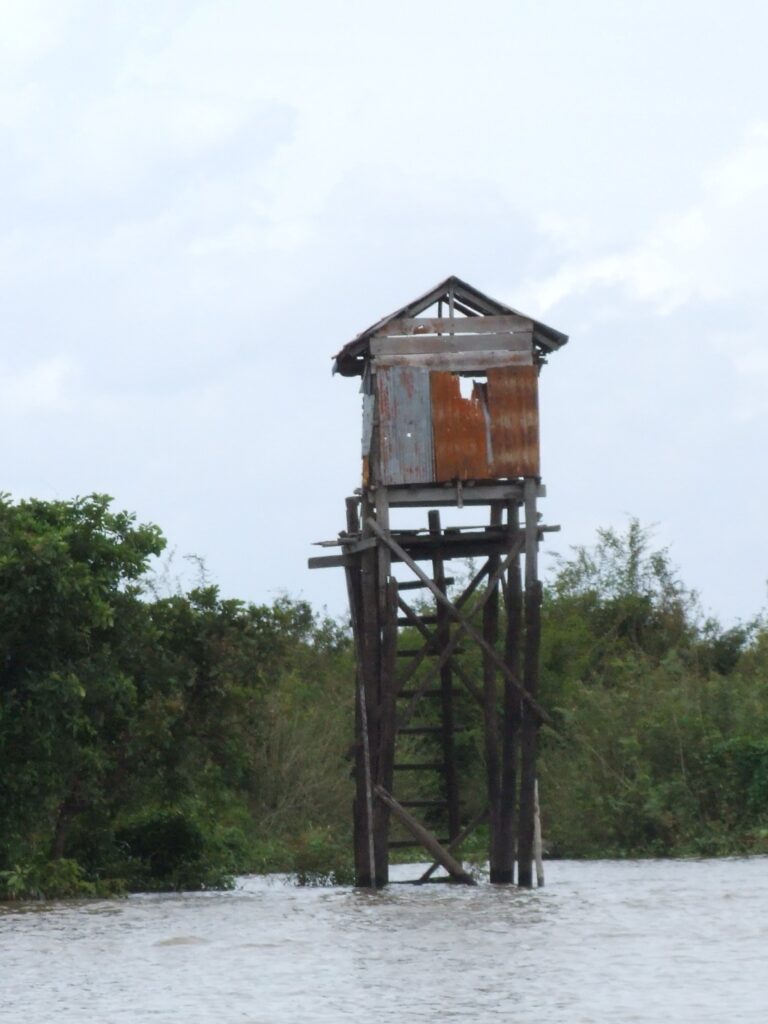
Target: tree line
{"type": "Point", "coordinates": [155, 740]}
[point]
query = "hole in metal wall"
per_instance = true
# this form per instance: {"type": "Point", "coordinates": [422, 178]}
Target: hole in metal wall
{"type": "Point", "coordinates": [467, 385]}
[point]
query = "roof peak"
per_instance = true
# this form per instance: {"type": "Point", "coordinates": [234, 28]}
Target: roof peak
{"type": "Point", "coordinates": [460, 296]}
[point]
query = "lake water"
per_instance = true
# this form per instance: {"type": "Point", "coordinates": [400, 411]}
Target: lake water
{"type": "Point", "coordinates": [623, 941]}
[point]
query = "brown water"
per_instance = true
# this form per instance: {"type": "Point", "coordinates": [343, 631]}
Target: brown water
{"type": "Point", "coordinates": [630, 941]}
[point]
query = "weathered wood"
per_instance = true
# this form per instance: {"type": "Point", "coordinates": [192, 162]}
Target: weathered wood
{"type": "Point", "coordinates": [465, 596]}
{"type": "Point", "coordinates": [388, 694]}
{"type": "Point", "coordinates": [449, 650]}
{"type": "Point", "coordinates": [530, 701]}
{"type": "Point", "coordinates": [371, 630]}
{"type": "Point", "coordinates": [330, 562]}
{"type": "Point", "coordinates": [454, 844]}
{"type": "Point", "coordinates": [443, 495]}
{"type": "Point", "coordinates": [425, 838]}
{"type": "Point", "coordinates": [442, 638]}
{"type": "Point", "coordinates": [512, 712]}
{"type": "Point", "coordinates": [490, 713]}
{"type": "Point", "coordinates": [451, 646]}
{"type": "Point", "coordinates": [364, 853]}
{"type": "Point", "coordinates": [423, 344]}
{"type": "Point", "coordinates": [417, 584]}
{"type": "Point", "coordinates": [537, 844]}
{"type": "Point", "coordinates": [419, 730]}
{"type": "Point", "coordinates": [424, 803]}
{"type": "Point", "coordinates": [455, 362]}
{"type": "Point", "coordinates": [529, 730]}
{"type": "Point", "coordinates": [406, 326]}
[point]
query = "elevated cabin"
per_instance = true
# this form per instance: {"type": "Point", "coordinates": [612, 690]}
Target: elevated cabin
{"type": "Point", "coordinates": [450, 389]}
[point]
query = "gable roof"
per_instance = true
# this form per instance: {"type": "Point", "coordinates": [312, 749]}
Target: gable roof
{"type": "Point", "coordinates": [350, 360]}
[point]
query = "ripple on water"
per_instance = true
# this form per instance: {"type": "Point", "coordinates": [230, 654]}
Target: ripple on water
{"type": "Point", "coordinates": [605, 941]}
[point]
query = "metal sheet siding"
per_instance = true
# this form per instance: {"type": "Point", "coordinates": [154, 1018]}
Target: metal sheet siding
{"type": "Point", "coordinates": [493, 433]}
{"type": "Point", "coordinates": [405, 426]}
{"type": "Point", "coordinates": [513, 404]}
{"type": "Point", "coordinates": [461, 430]}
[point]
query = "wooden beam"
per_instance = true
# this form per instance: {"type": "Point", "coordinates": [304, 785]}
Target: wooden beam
{"type": "Point", "coordinates": [405, 326]}
{"type": "Point", "coordinates": [425, 838]}
{"type": "Point", "coordinates": [458, 362]}
{"type": "Point", "coordinates": [330, 562]}
{"type": "Point", "coordinates": [423, 344]}
{"type": "Point", "coordinates": [454, 844]}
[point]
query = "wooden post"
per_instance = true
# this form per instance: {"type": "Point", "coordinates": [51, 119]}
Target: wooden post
{"type": "Point", "coordinates": [362, 813]}
{"type": "Point", "coordinates": [371, 668]}
{"type": "Point", "coordinates": [538, 855]}
{"type": "Point", "coordinates": [446, 690]}
{"type": "Point", "coordinates": [530, 723]}
{"type": "Point", "coordinates": [490, 713]}
{"type": "Point", "coordinates": [384, 672]}
{"type": "Point", "coordinates": [513, 599]}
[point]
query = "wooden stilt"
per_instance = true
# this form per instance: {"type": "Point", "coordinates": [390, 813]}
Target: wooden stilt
{"type": "Point", "coordinates": [450, 782]}
{"type": "Point", "coordinates": [490, 711]}
{"type": "Point", "coordinates": [530, 724]}
{"type": "Point", "coordinates": [364, 854]}
{"type": "Point", "coordinates": [538, 855]}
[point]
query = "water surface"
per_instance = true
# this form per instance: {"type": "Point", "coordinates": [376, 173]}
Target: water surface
{"type": "Point", "coordinates": [623, 941]}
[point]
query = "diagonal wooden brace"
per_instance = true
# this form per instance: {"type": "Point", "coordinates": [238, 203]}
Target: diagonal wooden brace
{"type": "Point", "coordinates": [460, 619]}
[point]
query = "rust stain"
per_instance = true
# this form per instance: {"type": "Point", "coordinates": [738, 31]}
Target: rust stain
{"type": "Point", "coordinates": [513, 404]}
{"type": "Point", "coordinates": [493, 433]}
{"type": "Point", "coordinates": [459, 429]}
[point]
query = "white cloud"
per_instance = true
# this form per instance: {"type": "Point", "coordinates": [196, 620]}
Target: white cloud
{"type": "Point", "coordinates": [29, 29]}
{"type": "Point", "coordinates": [43, 387]}
{"type": "Point", "coordinates": [711, 251]}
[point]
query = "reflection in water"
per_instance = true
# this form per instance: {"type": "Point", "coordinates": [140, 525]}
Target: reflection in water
{"type": "Point", "coordinates": [634, 941]}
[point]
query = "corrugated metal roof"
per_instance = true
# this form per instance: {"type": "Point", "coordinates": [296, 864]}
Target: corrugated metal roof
{"type": "Point", "coordinates": [350, 360]}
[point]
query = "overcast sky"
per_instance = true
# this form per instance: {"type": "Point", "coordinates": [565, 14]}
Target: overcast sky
{"type": "Point", "coordinates": [202, 201]}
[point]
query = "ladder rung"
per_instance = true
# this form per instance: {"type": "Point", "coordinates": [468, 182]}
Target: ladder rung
{"type": "Point", "coordinates": [425, 620]}
{"type": "Point", "coordinates": [420, 766]}
{"type": "Point", "coordinates": [418, 585]}
{"type": "Point", "coordinates": [416, 730]}
{"type": "Point", "coordinates": [402, 844]}
{"type": "Point", "coordinates": [426, 693]}
{"type": "Point", "coordinates": [423, 803]}
{"type": "Point", "coordinates": [411, 652]}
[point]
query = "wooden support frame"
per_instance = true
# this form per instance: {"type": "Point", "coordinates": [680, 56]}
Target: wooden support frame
{"type": "Point", "coordinates": [497, 612]}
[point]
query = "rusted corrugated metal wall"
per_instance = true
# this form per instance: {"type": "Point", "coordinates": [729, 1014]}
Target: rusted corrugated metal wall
{"type": "Point", "coordinates": [425, 430]}
{"type": "Point", "coordinates": [430, 433]}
